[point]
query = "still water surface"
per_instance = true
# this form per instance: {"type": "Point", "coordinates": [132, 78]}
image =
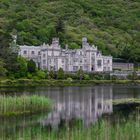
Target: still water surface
{"type": "Point", "coordinates": [86, 103]}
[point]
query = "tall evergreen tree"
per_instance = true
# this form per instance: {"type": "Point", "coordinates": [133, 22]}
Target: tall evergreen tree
{"type": "Point", "coordinates": [60, 74]}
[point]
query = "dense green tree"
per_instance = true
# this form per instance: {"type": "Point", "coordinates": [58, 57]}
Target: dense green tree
{"type": "Point", "coordinates": [31, 66]}
{"type": "Point", "coordinates": [2, 69]}
{"type": "Point", "coordinates": [22, 67]}
{"type": "Point", "coordinates": [60, 26]}
{"type": "Point", "coordinates": [9, 57]}
{"type": "Point", "coordinates": [74, 46]}
{"type": "Point", "coordinates": [51, 74]}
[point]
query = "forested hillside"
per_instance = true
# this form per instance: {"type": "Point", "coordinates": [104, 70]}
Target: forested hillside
{"type": "Point", "coordinates": [113, 25]}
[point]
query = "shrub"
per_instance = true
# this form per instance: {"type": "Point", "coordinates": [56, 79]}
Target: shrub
{"type": "Point", "coordinates": [29, 75]}
{"type": "Point", "coordinates": [41, 74]}
{"type": "Point", "coordinates": [69, 79]}
{"type": "Point", "coordinates": [86, 77]}
{"type": "Point", "coordinates": [80, 74]}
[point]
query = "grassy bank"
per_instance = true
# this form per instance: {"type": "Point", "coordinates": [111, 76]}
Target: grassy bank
{"type": "Point", "coordinates": [30, 82]}
{"type": "Point", "coordinates": [23, 104]}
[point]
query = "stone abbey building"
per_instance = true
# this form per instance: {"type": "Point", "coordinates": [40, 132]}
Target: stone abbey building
{"type": "Point", "coordinates": [88, 58]}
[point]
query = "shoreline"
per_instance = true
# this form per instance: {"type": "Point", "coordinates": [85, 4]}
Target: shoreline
{"type": "Point", "coordinates": [52, 83]}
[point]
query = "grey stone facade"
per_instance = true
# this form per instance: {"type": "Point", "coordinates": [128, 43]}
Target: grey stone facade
{"type": "Point", "coordinates": [88, 58]}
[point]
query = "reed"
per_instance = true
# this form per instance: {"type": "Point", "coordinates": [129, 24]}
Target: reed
{"type": "Point", "coordinates": [15, 105]}
{"type": "Point", "coordinates": [102, 130]}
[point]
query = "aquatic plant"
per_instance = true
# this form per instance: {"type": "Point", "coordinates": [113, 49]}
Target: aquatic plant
{"type": "Point", "coordinates": [126, 101]}
{"type": "Point", "coordinates": [13, 105]}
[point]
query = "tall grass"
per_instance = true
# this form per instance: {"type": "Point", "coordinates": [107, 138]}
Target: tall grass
{"type": "Point", "coordinates": [105, 129]}
{"type": "Point", "coordinates": [13, 105]}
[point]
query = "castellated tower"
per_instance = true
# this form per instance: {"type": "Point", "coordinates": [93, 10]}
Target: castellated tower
{"type": "Point", "coordinates": [84, 41]}
{"type": "Point", "coordinates": [55, 42]}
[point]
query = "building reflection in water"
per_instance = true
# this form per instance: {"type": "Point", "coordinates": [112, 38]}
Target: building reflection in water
{"type": "Point", "coordinates": [89, 105]}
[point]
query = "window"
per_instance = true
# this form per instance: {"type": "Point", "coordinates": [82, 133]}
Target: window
{"type": "Point", "coordinates": [44, 61]}
{"type": "Point", "coordinates": [62, 60]}
{"type": "Point", "coordinates": [81, 61]}
{"type": "Point", "coordinates": [108, 61]}
{"type": "Point", "coordinates": [74, 60]}
{"type": "Point", "coordinates": [39, 53]}
{"type": "Point", "coordinates": [80, 53]}
{"type": "Point", "coordinates": [99, 106]}
{"type": "Point", "coordinates": [32, 52]}
{"type": "Point", "coordinates": [44, 55]}
{"type": "Point", "coordinates": [75, 68]}
{"type": "Point", "coordinates": [99, 63]}
{"type": "Point", "coordinates": [93, 60]}
{"type": "Point", "coordinates": [104, 68]}
{"type": "Point", "coordinates": [25, 52]}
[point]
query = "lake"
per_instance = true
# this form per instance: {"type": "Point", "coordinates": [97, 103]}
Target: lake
{"type": "Point", "coordinates": [85, 105]}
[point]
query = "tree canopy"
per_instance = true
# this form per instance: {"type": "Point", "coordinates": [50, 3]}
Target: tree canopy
{"type": "Point", "coordinates": [111, 25]}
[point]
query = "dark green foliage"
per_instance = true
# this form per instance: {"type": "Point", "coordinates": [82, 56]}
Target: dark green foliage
{"type": "Point", "coordinates": [2, 69]}
{"type": "Point", "coordinates": [112, 25]}
{"type": "Point", "coordinates": [51, 74]}
{"type": "Point", "coordinates": [8, 57]}
{"type": "Point", "coordinates": [31, 66]}
{"type": "Point", "coordinates": [86, 77]}
{"type": "Point", "coordinates": [41, 74]}
{"type": "Point", "coordinates": [80, 74]}
{"type": "Point", "coordinates": [74, 46]}
{"type": "Point", "coordinates": [22, 67]}
{"type": "Point", "coordinates": [59, 26]}
{"type": "Point", "coordinates": [60, 74]}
